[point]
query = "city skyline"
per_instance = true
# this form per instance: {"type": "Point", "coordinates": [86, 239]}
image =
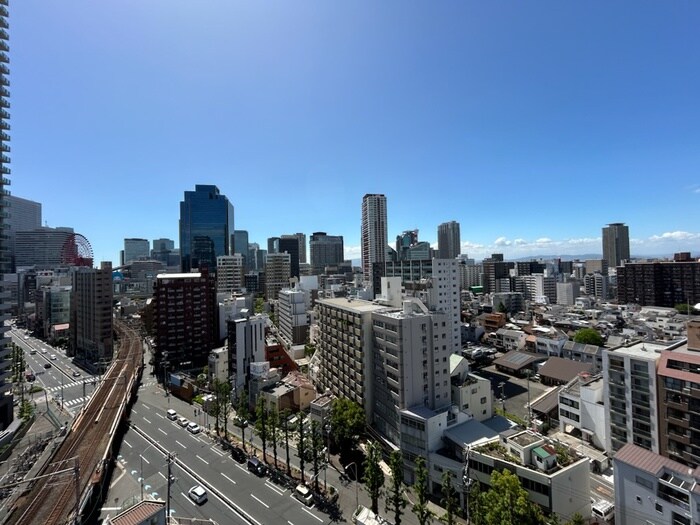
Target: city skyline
{"type": "Point", "coordinates": [531, 127]}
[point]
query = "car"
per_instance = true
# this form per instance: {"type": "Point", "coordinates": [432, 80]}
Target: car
{"type": "Point", "coordinates": [26, 337]}
{"type": "Point", "coordinates": [43, 350]}
{"type": "Point", "coordinates": [304, 494]}
{"type": "Point", "coordinates": [76, 373]}
{"type": "Point", "coordinates": [53, 357]}
{"type": "Point", "coordinates": [47, 365]}
{"type": "Point", "coordinates": [197, 494]}
{"type": "Point", "coordinates": [32, 352]}
{"type": "Point", "coordinates": [238, 454]}
{"type": "Point", "coordinates": [171, 414]}
{"type": "Point", "coordinates": [239, 422]}
{"type": "Point", "coordinates": [183, 421]}
{"type": "Point", "coordinates": [256, 466]}
{"type": "Point", "coordinates": [193, 428]}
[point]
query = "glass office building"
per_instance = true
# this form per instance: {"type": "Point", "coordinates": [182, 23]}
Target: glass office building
{"type": "Point", "coordinates": [206, 226]}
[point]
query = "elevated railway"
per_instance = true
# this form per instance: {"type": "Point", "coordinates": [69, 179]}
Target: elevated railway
{"type": "Point", "coordinates": [74, 477]}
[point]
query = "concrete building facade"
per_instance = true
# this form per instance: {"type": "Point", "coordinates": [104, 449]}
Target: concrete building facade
{"type": "Point", "coordinates": [374, 236]}
{"type": "Point", "coordinates": [449, 243]}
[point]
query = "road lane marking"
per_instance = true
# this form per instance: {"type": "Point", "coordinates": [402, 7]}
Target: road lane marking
{"type": "Point", "coordinates": [162, 431]}
{"type": "Point", "coordinates": [202, 459]}
{"type": "Point", "coordinates": [277, 490]}
{"type": "Point", "coordinates": [127, 444]}
{"type": "Point", "coordinates": [262, 502]}
{"type": "Point", "coordinates": [190, 499]}
{"type": "Point", "coordinates": [134, 411]}
{"type": "Point", "coordinates": [147, 421]}
{"type": "Point", "coordinates": [217, 452]}
{"type": "Point", "coordinates": [162, 475]}
{"type": "Point", "coordinates": [231, 480]}
{"type": "Point", "coordinates": [244, 470]}
{"type": "Point", "coordinates": [290, 523]}
{"type": "Point", "coordinates": [311, 514]}
{"type": "Point", "coordinates": [146, 406]}
{"type": "Point", "coordinates": [148, 462]}
{"type": "Point", "coordinates": [183, 446]}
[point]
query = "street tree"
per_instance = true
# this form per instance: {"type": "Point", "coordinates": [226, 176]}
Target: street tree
{"type": "Point", "coordinates": [420, 488]}
{"type": "Point", "coordinates": [576, 519]}
{"type": "Point", "coordinates": [317, 455]}
{"type": "Point", "coordinates": [373, 476]}
{"type": "Point", "coordinates": [449, 499]}
{"type": "Point", "coordinates": [508, 502]}
{"type": "Point", "coordinates": [242, 414]}
{"type": "Point", "coordinates": [347, 423]}
{"type": "Point", "coordinates": [285, 430]}
{"type": "Point", "coordinates": [588, 336]}
{"type": "Point", "coordinates": [476, 507]}
{"type": "Point", "coordinates": [273, 419]}
{"type": "Point", "coordinates": [261, 424]}
{"type": "Point", "coordinates": [302, 445]}
{"type": "Point", "coordinates": [395, 498]}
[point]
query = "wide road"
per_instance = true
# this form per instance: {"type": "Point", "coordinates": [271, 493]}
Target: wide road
{"type": "Point", "coordinates": [63, 381]}
{"type": "Point", "coordinates": [259, 499]}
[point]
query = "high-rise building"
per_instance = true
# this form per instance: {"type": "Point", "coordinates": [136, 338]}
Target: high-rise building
{"type": "Point", "coordinates": [374, 236]}
{"type": "Point", "coordinates": [42, 247]}
{"type": "Point", "coordinates": [24, 215]}
{"type": "Point", "coordinates": [229, 273]}
{"type": "Point", "coordinates": [449, 244]}
{"type": "Point", "coordinates": [273, 245]}
{"type": "Point", "coordinates": [277, 274]}
{"type": "Point", "coordinates": [185, 320]}
{"type": "Point", "coordinates": [326, 250]}
{"type": "Point", "coordinates": [240, 245]}
{"type": "Point", "coordinates": [206, 225]}
{"type": "Point", "coordinates": [135, 249]}
{"type": "Point", "coordinates": [495, 271]}
{"type": "Point", "coordinates": [91, 315]}
{"type": "Point", "coordinates": [165, 252]}
{"type": "Point", "coordinates": [6, 410]}
{"type": "Point", "coordinates": [301, 237]}
{"type": "Point", "coordinates": [246, 343]}
{"type": "Point", "coordinates": [616, 244]}
{"type": "Point", "coordinates": [290, 244]}
{"type": "Point", "coordinates": [659, 283]}
{"type": "Point", "coordinates": [292, 317]}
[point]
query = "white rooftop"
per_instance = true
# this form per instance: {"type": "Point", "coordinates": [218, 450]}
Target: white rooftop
{"type": "Point", "coordinates": [354, 305]}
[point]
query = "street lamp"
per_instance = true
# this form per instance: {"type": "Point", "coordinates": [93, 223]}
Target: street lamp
{"type": "Point", "coordinates": [357, 481]}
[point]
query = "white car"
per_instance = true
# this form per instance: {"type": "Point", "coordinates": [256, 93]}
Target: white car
{"type": "Point", "coordinates": [53, 357]}
{"type": "Point", "coordinates": [197, 494]}
{"type": "Point", "coordinates": [193, 428]}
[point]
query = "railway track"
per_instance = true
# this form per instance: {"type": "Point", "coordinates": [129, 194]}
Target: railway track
{"type": "Point", "coordinates": [55, 500]}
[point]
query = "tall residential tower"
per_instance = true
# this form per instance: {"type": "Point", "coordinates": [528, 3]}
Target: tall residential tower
{"type": "Point", "coordinates": [616, 244]}
{"type": "Point", "coordinates": [374, 233]}
{"type": "Point", "coordinates": [448, 240]}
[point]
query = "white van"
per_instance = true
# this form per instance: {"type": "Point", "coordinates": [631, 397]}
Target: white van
{"type": "Point", "coordinates": [603, 510]}
{"type": "Point", "coordinates": [303, 494]}
{"type": "Point", "coordinates": [171, 414]}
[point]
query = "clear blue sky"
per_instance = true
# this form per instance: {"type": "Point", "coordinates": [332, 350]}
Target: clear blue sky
{"type": "Point", "coordinates": [533, 124]}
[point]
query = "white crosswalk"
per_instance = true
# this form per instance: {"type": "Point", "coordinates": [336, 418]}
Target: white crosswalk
{"type": "Point", "coordinates": [74, 402]}
{"type": "Point", "coordinates": [68, 386]}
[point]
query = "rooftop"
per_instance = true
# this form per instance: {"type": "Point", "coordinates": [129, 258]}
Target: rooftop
{"type": "Point", "coordinates": [645, 350]}
{"type": "Point", "coordinates": [352, 305]}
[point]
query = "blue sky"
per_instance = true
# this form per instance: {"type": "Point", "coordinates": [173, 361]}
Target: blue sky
{"type": "Point", "coordinates": [533, 124]}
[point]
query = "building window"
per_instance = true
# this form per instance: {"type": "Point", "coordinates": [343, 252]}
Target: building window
{"type": "Point", "coordinates": [659, 508]}
{"type": "Point", "coordinates": [483, 400]}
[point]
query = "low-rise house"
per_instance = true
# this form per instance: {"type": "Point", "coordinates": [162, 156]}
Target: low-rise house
{"type": "Point", "coordinates": [559, 371]}
{"type": "Point", "coordinates": [508, 340]}
{"type": "Point", "coordinates": [581, 407]}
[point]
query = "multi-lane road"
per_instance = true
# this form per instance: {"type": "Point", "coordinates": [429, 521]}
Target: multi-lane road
{"type": "Point", "coordinates": [235, 494]}
{"type": "Point", "coordinates": [64, 381]}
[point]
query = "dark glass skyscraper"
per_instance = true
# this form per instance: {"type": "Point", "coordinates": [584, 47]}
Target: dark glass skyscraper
{"type": "Point", "coordinates": [206, 226]}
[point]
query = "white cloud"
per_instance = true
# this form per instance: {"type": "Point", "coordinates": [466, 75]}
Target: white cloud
{"type": "Point", "coordinates": [675, 236]}
{"type": "Point", "coordinates": [519, 242]}
{"type": "Point", "coordinates": [544, 240]}
{"type": "Point", "coordinates": [584, 241]}
{"type": "Point", "coordinates": [501, 241]}
{"type": "Point", "coordinates": [353, 252]}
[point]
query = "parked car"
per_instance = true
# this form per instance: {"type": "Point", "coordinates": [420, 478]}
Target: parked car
{"type": "Point", "coordinates": [171, 414]}
{"type": "Point", "coordinates": [256, 466]}
{"type": "Point", "coordinates": [304, 494]}
{"type": "Point", "coordinates": [238, 454]}
{"type": "Point", "coordinates": [197, 494]}
{"type": "Point", "coordinates": [183, 421]}
{"type": "Point", "coordinates": [193, 428]}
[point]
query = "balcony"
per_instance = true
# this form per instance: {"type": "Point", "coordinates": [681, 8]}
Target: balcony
{"type": "Point", "coordinates": [678, 437]}
{"type": "Point", "coordinates": [679, 420]}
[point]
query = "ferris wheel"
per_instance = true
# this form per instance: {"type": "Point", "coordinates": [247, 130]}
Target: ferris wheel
{"type": "Point", "coordinates": [76, 251]}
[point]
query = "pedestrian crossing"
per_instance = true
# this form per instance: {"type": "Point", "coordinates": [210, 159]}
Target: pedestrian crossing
{"type": "Point", "coordinates": [74, 402]}
{"type": "Point", "coordinates": [67, 386]}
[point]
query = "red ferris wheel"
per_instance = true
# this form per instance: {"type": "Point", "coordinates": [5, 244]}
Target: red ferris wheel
{"type": "Point", "coordinates": [76, 251]}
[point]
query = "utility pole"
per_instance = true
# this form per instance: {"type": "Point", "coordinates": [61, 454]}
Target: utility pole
{"type": "Point", "coordinates": [76, 476]}
{"type": "Point", "coordinates": [529, 417]}
{"type": "Point", "coordinates": [467, 482]}
{"type": "Point", "coordinates": [503, 397]}
{"type": "Point", "coordinates": [167, 504]}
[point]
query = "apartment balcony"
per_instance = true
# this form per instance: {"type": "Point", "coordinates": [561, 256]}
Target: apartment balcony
{"type": "Point", "coordinates": [679, 420]}
{"type": "Point", "coordinates": [4, 69]}
{"type": "Point", "coordinates": [4, 47]}
{"type": "Point", "coordinates": [677, 402]}
{"type": "Point", "coordinates": [678, 437]}
{"type": "Point", "coordinates": [4, 125]}
{"type": "Point", "coordinates": [3, 8]}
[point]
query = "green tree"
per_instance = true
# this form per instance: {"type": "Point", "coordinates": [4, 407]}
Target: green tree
{"type": "Point", "coordinates": [347, 423]}
{"type": "Point", "coordinates": [242, 414]}
{"type": "Point", "coordinates": [507, 502]}
{"type": "Point", "coordinates": [302, 445]}
{"type": "Point", "coordinates": [285, 430]}
{"type": "Point", "coordinates": [502, 308]}
{"type": "Point", "coordinates": [449, 498]}
{"type": "Point", "coordinates": [261, 424]}
{"type": "Point", "coordinates": [476, 508]}
{"type": "Point", "coordinates": [273, 419]}
{"type": "Point", "coordinates": [317, 456]}
{"type": "Point", "coordinates": [420, 488]}
{"type": "Point", "coordinates": [373, 476]}
{"type": "Point", "coordinates": [576, 519]}
{"type": "Point", "coordinates": [259, 305]}
{"type": "Point", "coordinates": [588, 336]}
{"type": "Point", "coordinates": [396, 500]}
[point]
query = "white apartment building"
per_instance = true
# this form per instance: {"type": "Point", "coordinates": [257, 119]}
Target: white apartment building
{"type": "Point", "coordinates": [581, 407]}
{"type": "Point", "coordinates": [537, 286]}
{"type": "Point", "coordinates": [217, 366]}
{"type": "Point", "coordinates": [345, 349]}
{"type": "Point", "coordinates": [552, 343]}
{"type": "Point", "coordinates": [229, 273]}
{"type": "Point", "coordinates": [651, 489]}
{"type": "Point", "coordinates": [631, 395]}
{"type": "Point", "coordinates": [246, 345]}
{"type": "Point", "coordinates": [471, 393]}
{"type": "Point", "coordinates": [567, 293]}
{"type": "Point", "coordinates": [292, 316]}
